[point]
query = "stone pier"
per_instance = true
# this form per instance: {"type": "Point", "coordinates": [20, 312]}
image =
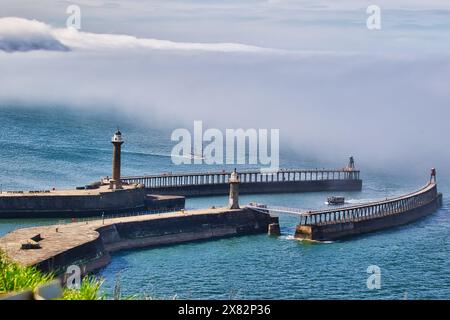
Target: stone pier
{"type": "Point", "coordinates": [343, 222]}
{"type": "Point", "coordinates": [89, 244]}
{"type": "Point", "coordinates": [251, 182]}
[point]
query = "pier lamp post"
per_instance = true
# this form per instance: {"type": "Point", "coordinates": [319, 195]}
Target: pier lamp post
{"type": "Point", "coordinates": [116, 182]}
{"type": "Point", "coordinates": [234, 190]}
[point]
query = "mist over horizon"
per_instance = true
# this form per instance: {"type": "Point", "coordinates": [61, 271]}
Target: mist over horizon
{"type": "Point", "coordinates": [224, 150]}
{"type": "Point", "coordinates": [381, 97]}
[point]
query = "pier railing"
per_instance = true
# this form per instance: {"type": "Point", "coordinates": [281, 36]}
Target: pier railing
{"type": "Point", "coordinates": [256, 176]}
{"type": "Point", "coordinates": [371, 210]}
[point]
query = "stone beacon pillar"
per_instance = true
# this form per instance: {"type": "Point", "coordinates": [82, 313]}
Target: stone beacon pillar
{"type": "Point", "coordinates": [433, 175]}
{"type": "Point", "coordinates": [351, 164]}
{"type": "Point", "coordinates": [350, 168]}
{"type": "Point", "coordinates": [116, 182]}
{"type": "Point", "coordinates": [234, 190]}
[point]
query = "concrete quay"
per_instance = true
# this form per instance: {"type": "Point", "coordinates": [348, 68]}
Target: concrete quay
{"type": "Point", "coordinates": [84, 203]}
{"type": "Point", "coordinates": [89, 244]}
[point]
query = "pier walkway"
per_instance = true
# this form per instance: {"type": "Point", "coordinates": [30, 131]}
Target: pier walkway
{"type": "Point", "coordinates": [284, 180]}
{"type": "Point", "coordinates": [372, 210]}
{"type": "Point", "coordinates": [356, 213]}
{"type": "Point", "coordinates": [344, 221]}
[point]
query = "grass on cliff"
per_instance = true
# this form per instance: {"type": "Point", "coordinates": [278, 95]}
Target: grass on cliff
{"type": "Point", "coordinates": [89, 290]}
{"type": "Point", "coordinates": [14, 278]}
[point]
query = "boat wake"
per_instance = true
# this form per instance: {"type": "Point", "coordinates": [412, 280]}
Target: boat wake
{"type": "Point", "coordinates": [190, 156]}
{"type": "Point", "coordinates": [151, 154]}
{"type": "Point", "coordinates": [287, 237]}
{"type": "Point", "coordinates": [359, 201]}
{"type": "Point", "coordinates": [291, 237]}
{"type": "Point", "coordinates": [350, 201]}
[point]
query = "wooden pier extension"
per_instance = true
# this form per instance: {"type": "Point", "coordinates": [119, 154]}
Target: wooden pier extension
{"type": "Point", "coordinates": [216, 183]}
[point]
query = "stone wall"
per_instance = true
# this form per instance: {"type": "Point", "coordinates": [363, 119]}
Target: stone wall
{"type": "Point", "coordinates": [95, 254]}
{"type": "Point", "coordinates": [261, 187]}
{"type": "Point", "coordinates": [71, 206]}
{"type": "Point", "coordinates": [342, 230]}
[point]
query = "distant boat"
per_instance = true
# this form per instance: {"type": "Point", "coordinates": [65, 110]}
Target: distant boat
{"type": "Point", "coordinates": [196, 156]}
{"type": "Point", "coordinates": [335, 200]}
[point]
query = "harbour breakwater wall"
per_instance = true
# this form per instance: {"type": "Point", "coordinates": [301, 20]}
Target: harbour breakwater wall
{"type": "Point", "coordinates": [84, 203]}
{"type": "Point", "coordinates": [251, 182]}
{"type": "Point", "coordinates": [260, 188]}
{"type": "Point", "coordinates": [349, 221]}
{"type": "Point", "coordinates": [89, 245]}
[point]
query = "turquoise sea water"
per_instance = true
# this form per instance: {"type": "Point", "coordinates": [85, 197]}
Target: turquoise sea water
{"type": "Point", "coordinates": [42, 148]}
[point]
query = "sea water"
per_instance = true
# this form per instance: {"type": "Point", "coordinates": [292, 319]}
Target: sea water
{"type": "Point", "coordinates": [42, 148]}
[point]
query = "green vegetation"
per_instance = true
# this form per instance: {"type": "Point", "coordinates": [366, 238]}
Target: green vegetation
{"type": "Point", "coordinates": [14, 277]}
{"type": "Point", "coordinates": [89, 289]}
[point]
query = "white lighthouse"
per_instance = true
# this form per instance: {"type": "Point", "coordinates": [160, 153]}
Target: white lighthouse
{"type": "Point", "coordinates": [234, 190]}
